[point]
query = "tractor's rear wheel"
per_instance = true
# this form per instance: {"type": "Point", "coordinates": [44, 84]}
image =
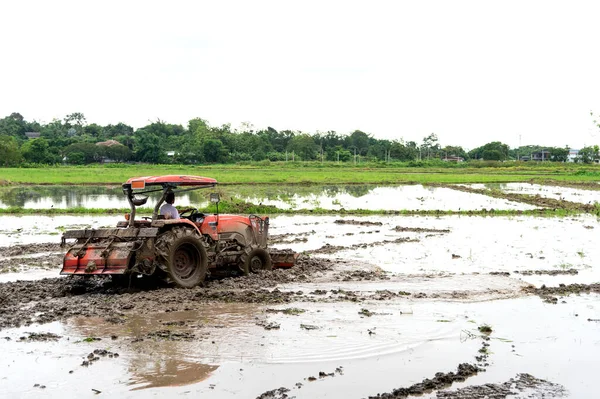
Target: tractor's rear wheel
{"type": "Point", "coordinates": [257, 260]}
{"type": "Point", "coordinates": [183, 256]}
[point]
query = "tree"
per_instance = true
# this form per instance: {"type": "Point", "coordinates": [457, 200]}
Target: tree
{"type": "Point", "coordinates": [75, 122]}
{"type": "Point", "coordinates": [114, 131]}
{"type": "Point", "coordinates": [430, 145]}
{"type": "Point", "coordinates": [454, 151]}
{"type": "Point", "coordinates": [214, 151]}
{"type": "Point", "coordinates": [38, 151]}
{"type": "Point", "coordinates": [9, 151]}
{"type": "Point", "coordinates": [84, 153]}
{"type": "Point", "coordinates": [494, 151]}
{"type": "Point", "coordinates": [118, 152]}
{"type": "Point", "coordinates": [13, 126]}
{"type": "Point", "coordinates": [358, 141]}
{"type": "Point", "coordinates": [147, 147]}
{"type": "Point", "coordinates": [559, 154]}
{"type": "Point", "coordinates": [304, 146]}
{"type": "Point", "coordinates": [404, 152]}
{"type": "Point", "coordinates": [589, 154]}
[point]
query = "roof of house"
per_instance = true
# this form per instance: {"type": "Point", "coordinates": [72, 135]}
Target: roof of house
{"type": "Point", "coordinates": [108, 143]}
{"type": "Point", "coordinates": [32, 135]}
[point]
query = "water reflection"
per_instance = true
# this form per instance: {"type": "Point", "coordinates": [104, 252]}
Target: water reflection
{"type": "Point", "coordinates": [174, 348]}
{"type": "Point", "coordinates": [166, 372]}
{"type": "Point", "coordinates": [111, 196]}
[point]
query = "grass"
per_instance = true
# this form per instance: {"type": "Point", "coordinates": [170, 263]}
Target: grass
{"type": "Point", "coordinates": [307, 173]}
{"type": "Point", "coordinates": [485, 329]}
{"type": "Point", "coordinates": [240, 207]}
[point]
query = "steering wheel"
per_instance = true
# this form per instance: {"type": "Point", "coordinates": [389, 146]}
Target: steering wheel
{"type": "Point", "coordinates": [191, 211]}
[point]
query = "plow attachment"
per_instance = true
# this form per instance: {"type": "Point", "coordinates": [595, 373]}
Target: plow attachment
{"type": "Point", "coordinates": [283, 258]}
{"type": "Point", "coordinates": [104, 251]}
{"type": "Point", "coordinates": [97, 259]}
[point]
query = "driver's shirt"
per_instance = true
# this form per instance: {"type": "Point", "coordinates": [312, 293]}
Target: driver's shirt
{"type": "Point", "coordinates": [169, 211]}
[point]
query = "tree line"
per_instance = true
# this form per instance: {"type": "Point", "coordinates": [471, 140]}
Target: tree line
{"type": "Point", "coordinates": [73, 140]}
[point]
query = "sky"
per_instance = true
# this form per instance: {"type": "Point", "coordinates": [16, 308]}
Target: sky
{"type": "Point", "coordinates": [520, 72]}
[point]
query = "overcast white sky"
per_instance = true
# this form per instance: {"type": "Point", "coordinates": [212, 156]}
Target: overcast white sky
{"type": "Point", "coordinates": [470, 71]}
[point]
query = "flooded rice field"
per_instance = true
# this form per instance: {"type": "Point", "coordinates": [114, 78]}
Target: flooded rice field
{"type": "Point", "coordinates": [371, 197]}
{"type": "Point", "coordinates": [378, 306]}
{"type": "Point", "coordinates": [554, 192]}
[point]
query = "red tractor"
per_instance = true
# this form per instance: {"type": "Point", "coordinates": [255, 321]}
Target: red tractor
{"type": "Point", "coordinates": [180, 250]}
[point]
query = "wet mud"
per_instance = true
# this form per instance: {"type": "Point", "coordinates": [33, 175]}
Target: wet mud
{"type": "Point", "coordinates": [291, 295]}
{"type": "Point", "coordinates": [30, 249]}
{"type": "Point", "coordinates": [14, 264]}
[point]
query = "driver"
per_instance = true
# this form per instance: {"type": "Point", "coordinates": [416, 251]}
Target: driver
{"type": "Point", "coordinates": [168, 210]}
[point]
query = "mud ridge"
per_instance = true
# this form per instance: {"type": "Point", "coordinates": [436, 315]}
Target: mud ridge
{"type": "Point", "coordinates": [515, 386]}
{"type": "Point", "coordinates": [441, 380]}
{"type": "Point", "coordinates": [331, 249]}
{"type": "Point", "coordinates": [535, 200]}
{"type": "Point", "coordinates": [419, 230]}
{"type": "Point", "coordinates": [357, 222]}
{"type": "Point", "coordinates": [547, 272]}
{"type": "Point", "coordinates": [548, 293]}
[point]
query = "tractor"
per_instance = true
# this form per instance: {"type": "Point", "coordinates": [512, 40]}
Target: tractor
{"type": "Point", "coordinates": [182, 251]}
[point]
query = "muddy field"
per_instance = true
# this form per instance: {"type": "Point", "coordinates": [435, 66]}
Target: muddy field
{"type": "Point", "coordinates": [377, 307]}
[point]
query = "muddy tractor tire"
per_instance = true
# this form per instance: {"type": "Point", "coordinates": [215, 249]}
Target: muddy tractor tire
{"type": "Point", "coordinates": [183, 256]}
{"type": "Point", "coordinates": [258, 259]}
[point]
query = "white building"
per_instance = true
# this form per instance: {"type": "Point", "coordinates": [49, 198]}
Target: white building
{"type": "Point", "coordinates": [572, 155]}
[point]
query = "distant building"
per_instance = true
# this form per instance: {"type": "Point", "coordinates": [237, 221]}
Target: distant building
{"type": "Point", "coordinates": [573, 154]}
{"type": "Point", "coordinates": [540, 156]}
{"type": "Point", "coordinates": [32, 135]}
{"type": "Point", "coordinates": [453, 159]}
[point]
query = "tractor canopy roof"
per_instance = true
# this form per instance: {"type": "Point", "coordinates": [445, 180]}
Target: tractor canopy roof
{"type": "Point", "coordinates": [140, 183]}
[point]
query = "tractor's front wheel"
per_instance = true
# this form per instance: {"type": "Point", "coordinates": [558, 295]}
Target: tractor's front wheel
{"type": "Point", "coordinates": [184, 257]}
{"type": "Point", "coordinates": [257, 260]}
